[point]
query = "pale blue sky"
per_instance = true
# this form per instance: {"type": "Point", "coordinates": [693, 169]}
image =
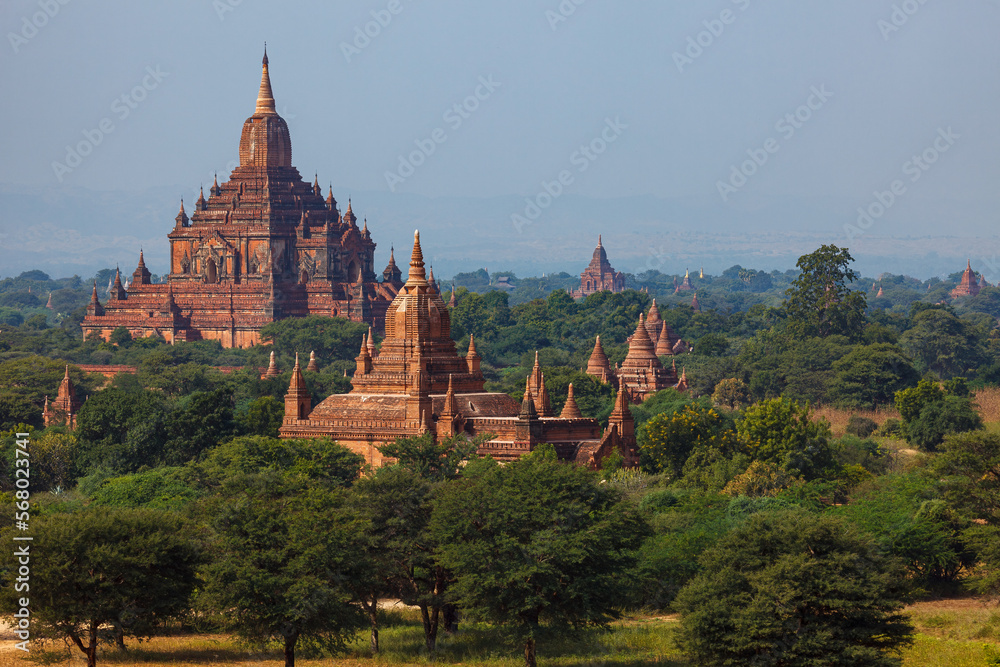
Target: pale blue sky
{"type": "Point", "coordinates": [682, 131]}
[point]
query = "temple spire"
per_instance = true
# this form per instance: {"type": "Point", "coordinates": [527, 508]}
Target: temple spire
{"type": "Point", "coordinates": [417, 276]}
{"type": "Point", "coordinates": [265, 98]}
{"type": "Point", "coordinates": [570, 410]}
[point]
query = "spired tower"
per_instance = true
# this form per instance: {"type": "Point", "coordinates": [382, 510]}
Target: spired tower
{"type": "Point", "coordinates": [265, 245]}
{"type": "Point", "coordinates": [418, 383]}
{"type": "Point", "coordinates": [968, 285]}
{"type": "Point", "coordinates": [599, 276]}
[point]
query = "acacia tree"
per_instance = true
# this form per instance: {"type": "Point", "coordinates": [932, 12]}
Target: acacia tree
{"type": "Point", "coordinates": [282, 556]}
{"type": "Point", "coordinates": [536, 541]}
{"type": "Point", "coordinates": [100, 575]}
{"type": "Point", "coordinates": [820, 301]}
{"type": "Point", "coordinates": [793, 588]}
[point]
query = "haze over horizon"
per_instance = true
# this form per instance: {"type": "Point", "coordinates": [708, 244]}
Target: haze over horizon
{"type": "Point", "coordinates": [448, 117]}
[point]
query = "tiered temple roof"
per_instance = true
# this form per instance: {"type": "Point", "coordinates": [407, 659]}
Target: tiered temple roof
{"type": "Point", "coordinates": [265, 245]}
{"type": "Point", "coordinates": [599, 276]}
{"type": "Point", "coordinates": [418, 383]}
{"type": "Point", "coordinates": [642, 373]}
{"type": "Point", "coordinates": [969, 285]}
{"type": "Point", "coordinates": [62, 411]}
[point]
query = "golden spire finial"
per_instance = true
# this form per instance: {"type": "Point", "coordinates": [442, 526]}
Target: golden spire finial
{"type": "Point", "coordinates": [265, 98]}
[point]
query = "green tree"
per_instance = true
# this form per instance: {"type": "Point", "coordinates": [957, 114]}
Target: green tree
{"type": "Point", "coordinates": [122, 430]}
{"type": "Point", "coordinates": [669, 438]}
{"type": "Point", "coordinates": [320, 460]}
{"type": "Point", "coordinates": [103, 574]}
{"type": "Point", "coordinates": [536, 541]}
{"type": "Point", "coordinates": [967, 467]}
{"type": "Point", "coordinates": [792, 588]}
{"type": "Point", "coordinates": [433, 461]}
{"type": "Point", "coordinates": [731, 393]}
{"type": "Point", "coordinates": [264, 416]}
{"type": "Point", "coordinates": [274, 575]}
{"type": "Point", "coordinates": [870, 376]}
{"type": "Point", "coordinates": [120, 337]}
{"type": "Point", "coordinates": [904, 514]}
{"type": "Point", "coordinates": [398, 548]}
{"type": "Point", "coordinates": [943, 344]}
{"type": "Point", "coordinates": [781, 431]}
{"type": "Point", "coordinates": [332, 338]}
{"type": "Point", "coordinates": [930, 413]}
{"type": "Point", "coordinates": [201, 421]}
{"type": "Point", "coordinates": [820, 301]}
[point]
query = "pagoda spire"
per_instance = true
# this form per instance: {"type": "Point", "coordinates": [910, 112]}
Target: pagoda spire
{"type": "Point", "coordinates": [265, 98]}
{"type": "Point", "coordinates": [545, 407]}
{"type": "Point", "coordinates": [528, 410]}
{"type": "Point", "coordinates": [417, 276]}
{"type": "Point", "coordinates": [312, 365]}
{"type": "Point", "coordinates": [450, 408]}
{"type": "Point", "coordinates": [472, 358]}
{"type": "Point", "coordinates": [570, 410]}
{"type": "Point", "coordinates": [272, 368]}
{"type": "Point", "coordinates": [182, 218]}
{"type": "Point", "coordinates": [95, 308]}
{"type": "Point", "coordinates": [297, 399]}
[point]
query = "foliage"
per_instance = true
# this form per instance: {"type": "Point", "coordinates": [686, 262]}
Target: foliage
{"type": "Point", "coordinates": [122, 430]}
{"type": "Point", "coordinates": [760, 479]}
{"type": "Point", "coordinates": [102, 574]}
{"type": "Point", "coordinates": [930, 413]}
{"type": "Point", "coordinates": [792, 588]}
{"type": "Point", "coordinates": [274, 575]}
{"type": "Point", "coordinates": [160, 488]}
{"type": "Point", "coordinates": [399, 549]}
{"type": "Point", "coordinates": [860, 426]}
{"type": "Point", "coordinates": [535, 541]}
{"type": "Point", "coordinates": [731, 393]}
{"type": "Point", "coordinates": [434, 461]}
{"type": "Point", "coordinates": [668, 439]}
{"type": "Point", "coordinates": [264, 416]}
{"type": "Point", "coordinates": [820, 303]}
{"type": "Point", "coordinates": [903, 514]}
{"type": "Point", "coordinates": [869, 376]}
{"type": "Point", "coordinates": [781, 432]}
{"type": "Point", "coordinates": [332, 338]}
{"type": "Point", "coordinates": [320, 460]}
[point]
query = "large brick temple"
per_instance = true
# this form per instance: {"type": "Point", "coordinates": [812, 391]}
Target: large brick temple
{"type": "Point", "coordinates": [265, 245]}
{"type": "Point", "coordinates": [417, 383]}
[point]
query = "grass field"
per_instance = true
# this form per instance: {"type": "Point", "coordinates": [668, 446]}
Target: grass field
{"type": "Point", "coordinates": [950, 633]}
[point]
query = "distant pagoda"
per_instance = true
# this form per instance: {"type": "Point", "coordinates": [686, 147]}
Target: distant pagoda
{"type": "Point", "coordinates": [969, 285]}
{"type": "Point", "coordinates": [599, 276]}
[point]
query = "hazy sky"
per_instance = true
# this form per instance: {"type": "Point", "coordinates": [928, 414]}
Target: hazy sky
{"type": "Point", "coordinates": [669, 96]}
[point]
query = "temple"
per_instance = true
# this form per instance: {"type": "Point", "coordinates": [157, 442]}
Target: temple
{"type": "Point", "coordinates": [263, 246]}
{"type": "Point", "coordinates": [417, 383]}
{"type": "Point", "coordinates": [62, 411]}
{"type": "Point", "coordinates": [642, 373]}
{"type": "Point", "coordinates": [969, 285]}
{"type": "Point", "coordinates": [599, 276]}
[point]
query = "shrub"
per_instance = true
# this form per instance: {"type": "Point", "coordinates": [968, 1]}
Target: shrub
{"type": "Point", "coordinates": [860, 426]}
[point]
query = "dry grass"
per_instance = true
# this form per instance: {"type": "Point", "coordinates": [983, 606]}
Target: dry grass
{"type": "Point", "coordinates": [987, 402]}
{"type": "Point", "coordinates": [838, 418]}
{"type": "Point", "coordinates": [950, 633]}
